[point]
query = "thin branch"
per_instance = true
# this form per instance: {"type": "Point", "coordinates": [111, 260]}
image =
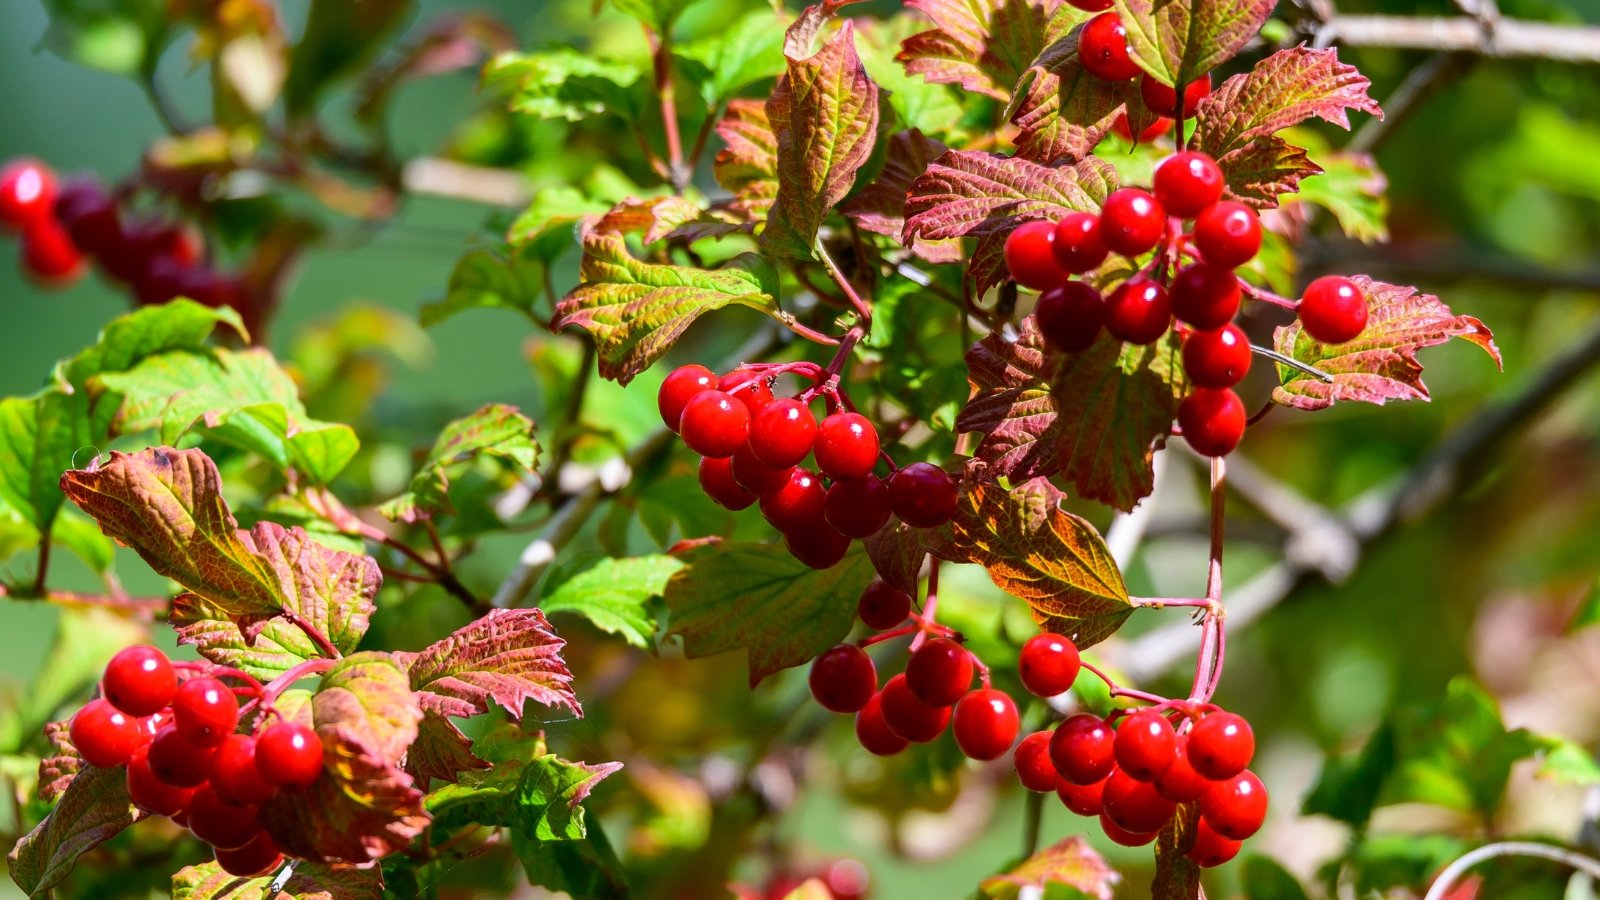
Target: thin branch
{"type": "Point", "coordinates": [460, 181]}
{"type": "Point", "coordinates": [1447, 879]}
{"type": "Point", "coordinates": [1292, 363]}
{"type": "Point", "coordinates": [862, 308]}
{"type": "Point", "coordinates": [1497, 39]}
{"type": "Point", "coordinates": [661, 59]}
{"type": "Point", "coordinates": [1033, 819]}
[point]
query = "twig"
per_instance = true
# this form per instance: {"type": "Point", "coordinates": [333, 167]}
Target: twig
{"type": "Point", "coordinates": [1033, 818]}
{"type": "Point", "coordinates": [460, 181]}
{"type": "Point", "coordinates": [1419, 84]}
{"type": "Point", "coordinates": [661, 60]}
{"type": "Point", "coordinates": [1447, 879]}
{"type": "Point", "coordinates": [1506, 39]}
{"type": "Point", "coordinates": [862, 308]}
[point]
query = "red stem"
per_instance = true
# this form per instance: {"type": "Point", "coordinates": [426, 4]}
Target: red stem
{"type": "Point", "coordinates": [1117, 691]}
{"type": "Point", "coordinates": [661, 57]}
{"type": "Point", "coordinates": [324, 646]}
{"type": "Point", "coordinates": [1266, 296]}
{"type": "Point", "coordinates": [1164, 602]}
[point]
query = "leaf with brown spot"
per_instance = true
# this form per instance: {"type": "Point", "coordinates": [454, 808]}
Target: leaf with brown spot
{"type": "Point", "coordinates": [1070, 861]}
{"type": "Point", "coordinates": [506, 658]}
{"type": "Point", "coordinates": [92, 809]}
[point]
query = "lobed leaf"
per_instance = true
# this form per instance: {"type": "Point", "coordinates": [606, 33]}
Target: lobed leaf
{"type": "Point", "coordinates": [564, 83]}
{"type": "Point", "coordinates": [506, 658]}
{"type": "Point", "coordinates": [39, 436]}
{"type": "Point", "coordinates": [310, 881]}
{"type": "Point", "coordinates": [495, 429]}
{"type": "Point", "coordinates": [880, 206]}
{"type": "Point", "coordinates": [527, 789]}
{"type": "Point", "coordinates": [1177, 41]}
{"type": "Point", "coordinates": [748, 51]}
{"type": "Point", "coordinates": [485, 279]}
{"type": "Point", "coordinates": [1062, 112]}
{"type": "Point", "coordinates": [550, 223]}
{"type": "Point", "coordinates": [1070, 861]}
{"type": "Point", "coordinates": [92, 809]}
{"type": "Point", "coordinates": [615, 595]}
{"type": "Point", "coordinates": [981, 45]}
{"type": "Point", "coordinates": [1354, 189]}
{"type": "Point", "coordinates": [364, 707]}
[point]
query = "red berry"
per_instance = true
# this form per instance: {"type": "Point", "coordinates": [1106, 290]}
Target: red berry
{"type": "Point", "coordinates": [939, 672]}
{"type": "Point", "coordinates": [1083, 799]}
{"type": "Point", "coordinates": [106, 736]}
{"type": "Point", "coordinates": [1333, 310]}
{"type": "Point", "coordinates": [1032, 759]}
{"type": "Point", "coordinates": [1163, 100]}
{"type": "Point", "coordinates": [714, 424]}
{"type": "Point", "coordinates": [234, 775]}
{"type": "Point", "coordinates": [909, 717]}
{"type": "Point", "coordinates": [205, 711]}
{"type": "Point", "coordinates": [90, 216]}
{"type": "Point", "coordinates": [223, 825]}
{"type": "Point", "coordinates": [1236, 807]}
{"type": "Point", "coordinates": [883, 605]}
{"type": "Point", "coordinates": [1228, 234]}
{"type": "Point", "coordinates": [1205, 296]}
{"type": "Point", "coordinates": [1077, 243]}
{"type": "Point", "coordinates": [846, 446]}
{"type": "Point", "coordinates": [1188, 183]}
{"type": "Point", "coordinates": [177, 760]}
{"type": "Point", "coordinates": [818, 546]}
{"type": "Point", "coordinates": [1090, 5]}
{"type": "Point", "coordinates": [1212, 421]}
{"type": "Point", "coordinates": [843, 678]}
{"type": "Point", "coordinates": [857, 507]}
{"type": "Point", "coordinates": [1181, 783]}
{"type": "Point", "coordinates": [1136, 805]}
{"type": "Point", "coordinates": [1030, 258]}
{"type": "Point", "coordinates": [1132, 221]}
{"type": "Point", "coordinates": [716, 479]}
{"type": "Point", "coordinates": [1221, 745]}
{"type": "Point", "coordinates": [27, 193]}
{"type": "Point", "coordinates": [798, 504]}
{"type": "Point", "coordinates": [1121, 128]}
{"type": "Point", "coordinates": [1103, 49]}
{"type": "Point", "coordinates": [756, 476]}
{"type": "Point", "coordinates": [258, 857]}
{"type": "Point", "coordinates": [752, 388]}
{"type": "Point", "coordinates": [1211, 849]}
{"type": "Point", "coordinates": [678, 389]}
{"type": "Point", "coordinates": [289, 755]}
{"type": "Point", "coordinates": [1048, 664]}
{"type": "Point", "coordinates": [874, 733]}
{"type": "Point", "coordinates": [1138, 312]}
{"type": "Point", "coordinates": [150, 793]}
{"type": "Point", "coordinates": [1145, 745]}
{"type": "Point", "coordinates": [922, 495]}
{"type": "Point", "coordinates": [1082, 749]}
{"type": "Point", "coordinates": [782, 433]}
{"type": "Point", "coordinates": [1216, 359]}
{"type": "Point", "coordinates": [49, 256]}
{"type": "Point", "coordinates": [1123, 836]}
{"type": "Point", "coordinates": [1070, 316]}
{"type": "Point", "coordinates": [985, 724]}
{"type": "Point", "coordinates": [139, 680]}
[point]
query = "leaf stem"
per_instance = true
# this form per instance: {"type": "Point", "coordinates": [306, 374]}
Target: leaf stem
{"type": "Point", "coordinates": [1208, 663]}
{"type": "Point", "coordinates": [930, 606]}
{"type": "Point", "coordinates": [862, 308]}
{"type": "Point", "coordinates": [1033, 818]}
{"type": "Point", "coordinates": [661, 58]}
{"type": "Point", "coordinates": [1165, 602]}
{"type": "Point", "coordinates": [275, 688]}
{"type": "Point", "coordinates": [44, 560]}
{"type": "Point", "coordinates": [1266, 296]}
{"type": "Point", "coordinates": [324, 646]}
{"type": "Point", "coordinates": [1292, 363]}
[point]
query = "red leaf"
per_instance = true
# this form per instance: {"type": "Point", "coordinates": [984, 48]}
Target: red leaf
{"type": "Point", "coordinates": [92, 809]}
{"type": "Point", "coordinates": [506, 658]}
{"type": "Point", "coordinates": [1066, 112]}
{"type": "Point", "coordinates": [440, 751]}
{"type": "Point", "coordinates": [982, 45]}
{"type": "Point", "coordinates": [1266, 168]}
{"type": "Point", "coordinates": [748, 166]}
{"type": "Point", "coordinates": [654, 217]}
{"type": "Point", "coordinates": [1070, 861]}
{"type": "Point", "coordinates": [880, 206]}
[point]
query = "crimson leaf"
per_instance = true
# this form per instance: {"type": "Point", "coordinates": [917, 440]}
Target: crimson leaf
{"type": "Point", "coordinates": [506, 658]}
{"type": "Point", "coordinates": [880, 206]}
{"type": "Point", "coordinates": [1065, 112]}
{"type": "Point", "coordinates": [748, 166]}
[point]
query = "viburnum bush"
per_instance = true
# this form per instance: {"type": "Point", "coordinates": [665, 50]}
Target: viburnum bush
{"type": "Point", "coordinates": [976, 308]}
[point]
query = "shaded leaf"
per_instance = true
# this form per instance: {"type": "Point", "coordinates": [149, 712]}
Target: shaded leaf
{"type": "Point", "coordinates": [440, 751]}
{"type": "Point", "coordinates": [1070, 861]}
{"type": "Point", "coordinates": [483, 279]}
{"type": "Point", "coordinates": [982, 45]}
{"type": "Point", "coordinates": [898, 552]}
{"type": "Point", "coordinates": [506, 658]}
{"type": "Point", "coordinates": [1265, 169]}
{"type": "Point", "coordinates": [586, 868]}
{"type": "Point", "coordinates": [880, 206]}
{"type": "Point", "coordinates": [1177, 41]}
{"type": "Point", "coordinates": [1266, 880]}
{"type": "Point", "coordinates": [748, 51]}
{"type": "Point", "coordinates": [615, 595]}
{"type": "Point", "coordinates": [1177, 877]}
{"type": "Point", "coordinates": [92, 809]}
{"type": "Point", "coordinates": [1348, 787]}
{"type": "Point", "coordinates": [564, 83]}
{"type": "Point", "coordinates": [310, 881]}
{"type": "Point", "coordinates": [496, 429]}
{"type": "Point", "coordinates": [748, 166]}
{"type": "Point", "coordinates": [528, 788]}
{"type": "Point", "coordinates": [657, 14]}
{"type": "Point", "coordinates": [1354, 189]}
{"type": "Point", "coordinates": [550, 223]}
{"type": "Point", "coordinates": [1063, 112]}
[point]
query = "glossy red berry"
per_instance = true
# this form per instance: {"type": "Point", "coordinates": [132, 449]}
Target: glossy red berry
{"type": "Point", "coordinates": [1205, 296]}
{"type": "Point", "coordinates": [939, 672]}
{"type": "Point", "coordinates": [150, 793]}
{"type": "Point", "coordinates": [1048, 664]}
{"type": "Point", "coordinates": [716, 479]}
{"type": "Point", "coordinates": [1221, 745]}
{"type": "Point", "coordinates": [1145, 745]}
{"type": "Point", "coordinates": [1070, 316]}
{"type": "Point", "coordinates": [818, 546]}
{"type": "Point", "coordinates": [1082, 749]}
{"type": "Point", "coordinates": [985, 724]}
{"type": "Point", "coordinates": [1333, 310]}
{"type": "Point", "coordinates": [874, 733]}
{"type": "Point", "coordinates": [857, 507]}
{"type": "Point", "coordinates": [922, 495]}
{"type": "Point", "coordinates": [883, 605]}
{"type": "Point", "coordinates": [1138, 311]}
{"type": "Point", "coordinates": [1030, 258]}
{"type": "Point", "coordinates": [714, 424]}
{"type": "Point", "coordinates": [1077, 243]}
{"type": "Point", "coordinates": [177, 760]}
{"type": "Point", "coordinates": [223, 825]}
{"type": "Point", "coordinates": [1188, 183]}
{"type": "Point", "coordinates": [1132, 221]}
{"type": "Point", "coordinates": [49, 256]}
{"type": "Point", "coordinates": [1090, 5]}
{"type": "Point", "coordinates": [843, 678]}
{"type": "Point", "coordinates": [1236, 807]}
{"type": "Point", "coordinates": [782, 433]}
{"type": "Point", "coordinates": [106, 736]}
{"type": "Point", "coordinates": [846, 446]}
{"type": "Point", "coordinates": [1228, 234]}
{"type": "Point", "coordinates": [234, 775]}
{"type": "Point", "coordinates": [1216, 359]}
{"type": "Point", "coordinates": [750, 387]}
{"type": "Point", "coordinates": [1123, 129]}
{"type": "Point", "coordinates": [1083, 799]}
{"type": "Point", "coordinates": [1123, 836]}
{"type": "Point", "coordinates": [205, 711]}
{"type": "Point", "coordinates": [1136, 805]}
{"type": "Point", "coordinates": [756, 476]}
{"type": "Point", "coordinates": [1212, 421]}
{"type": "Point", "coordinates": [1103, 49]}
{"type": "Point", "coordinates": [289, 755]}
{"type": "Point", "coordinates": [1211, 849]}
{"type": "Point", "coordinates": [678, 389]}
{"type": "Point", "coordinates": [1180, 783]}
{"type": "Point", "coordinates": [1163, 100]}
{"type": "Point", "coordinates": [258, 857]}
{"type": "Point", "coordinates": [27, 193]}
{"type": "Point", "coordinates": [139, 680]}
{"type": "Point", "coordinates": [798, 504]}
{"type": "Point", "coordinates": [909, 717]}
{"type": "Point", "coordinates": [1032, 759]}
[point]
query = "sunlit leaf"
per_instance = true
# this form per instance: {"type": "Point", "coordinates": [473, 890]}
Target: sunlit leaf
{"type": "Point", "coordinates": [982, 45]}
{"type": "Point", "coordinates": [748, 166]}
{"type": "Point", "coordinates": [653, 217]}
{"type": "Point", "coordinates": [1070, 861]}
{"type": "Point", "coordinates": [505, 658]}
{"type": "Point", "coordinates": [1354, 189]}
{"type": "Point", "coordinates": [748, 51]}
{"type": "Point", "coordinates": [615, 595]}
{"type": "Point", "coordinates": [880, 206]}
{"type": "Point", "coordinates": [1177, 41]}
{"type": "Point", "coordinates": [310, 881]}
{"type": "Point", "coordinates": [92, 810]}
{"type": "Point", "coordinates": [496, 430]}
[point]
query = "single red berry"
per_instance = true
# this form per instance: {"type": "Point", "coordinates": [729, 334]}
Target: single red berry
{"type": "Point", "coordinates": [1030, 258]}
{"type": "Point", "coordinates": [857, 507]}
{"type": "Point", "coordinates": [1236, 807]}
{"type": "Point", "coordinates": [1048, 664]}
{"type": "Point", "coordinates": [922, 495]}
{"type": "Point", "coordinates": [223, 825]}
{"type": "Point", "coordinates": [939, 672]}
{"type": "Point", "coordinates": [1216, 359]}
{"type": "Point", "coordinates": [27, 193]}
{"type": "Point", "coordinates": [90, 216]}
{"type": "Point", "coordinates": [750, 387]}
{"type": "Point", "coordinates": [1188, 183]}
{"type": "Point", "coordinates": [234, 775]}
{"type": "Point", "coordinates": [714, 424]}
{"type": "Point", "coordinates": [1228, 234]}
{"type": "Point", "coordinates": [818, 546]}
{"type": "Point", "coordinates": [1034, 768]}
{"type": "Point", "coordinates": [150, 793]}
{"type": "Point", "coordinates": [1138, 311]}
{"type": "Point", "coordinates": [716, 479]}
{"type": "Point", "coordinates": [985, 724]}
{"type": "Point", "coordinates": [177, 760]}
{"type": "Point", "coordinates": [1180, 783]}
{"type": "Point", "coordinates": [289, 755]}
{"type": "Point", "coordinates": [1077, 243]}
{"type": "Point", "coordinates": [205, 711]}
{"type": "Point", "coordinates": [258, 857]}
{"type": "Point", "coordinates": [1212, 421]}
{"type": "Point", "coordinates": [1221, 745]}
{"type": "Point", "coordinates": [1132, 221]}
{"type": "Point", "coordinates": [1163, 100]}
{"type": "Point", "coordinates": [1070, 316]}
{"type": "Point", "coordinates": [756, 476]}
{"type": "Point", "coordinates": [1103, 49]}
{"type": "Point", "coordinates": [883, 605]}
{"type": "Point", "coordinates": [1082, 749]}
{"type": "Point", "coordinates": [846, 446]}
{"type": "Point", "coordinates": [1136, 805]}
{"type": "Point", "coordinates": [1123, 129]}
{"type": "Point", "coordinates": [106, 736]}
{"type": "Point", "coordinates": [1205, 296]}
{"type": "Point", "coordinates": [783, 433]}
{"type": "Point", "coordinates": [1333, 310]}
{"type": "Point", "coordinates": [909, 717]}
{"type": "Point", "coordinates": [1145, 745]}
{"type": "Point", "coordinates": [1083, 799]}
{"type": "Point", "coordinates": [798, 504]}
{"type": "Point", "coordinates": [874, 733]}
{"type": "Point", "coordinates": [1123, 836]}
{"type": "Point", "coordinates": [1090, 5]}
{"type": "Point", "coordinates": [139, 680]}
{"type": "Point", "coordinates": [679, 388]}
{"type": "Point", "coordinates": [843, 678]}
{"type": "Point", "coordinates": [1211, 849]}
{"type": "Point", "coordinates": [49, 256]}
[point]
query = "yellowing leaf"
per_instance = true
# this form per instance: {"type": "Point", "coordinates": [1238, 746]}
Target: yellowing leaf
{"type": "Point", "coordinates": [310, 881]}
{"type": "Point", "coordinates": [748, 166]}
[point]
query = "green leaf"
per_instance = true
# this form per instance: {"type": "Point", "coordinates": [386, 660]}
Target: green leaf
{"type": "Point", "coordinates": [659, 15]}
{"type": "Point", "coordinates": [76, 533]}
{"type": "Point", "coordinates": [586, 868]}
{"type": "Point", "coordinates": [1348, 788]}
{"type": "Point", "coordinates": [496, 430]}
{"type": "Point", "coordinates": [1561, 760]}
{"type": "Point", "coordinates": [483, 279]}
{"type": "Point", "coordinates": [93, 809]}
{"type": "Point", "coordinates": [1177, 41]}
{"type": "Point", "coordinates": [563, 83]}
{"type": "Point", "coordinates": [527, 788]}
{"type": "Point", "coordinates": [916, 103]}
{"type": "Point", "coordinates": [506, 658]}
{"type": "Point", "coordinates": [440, 751]}
{"type": "Point", "coordinates": [127, 339]}
{"type": "Point", "coordinates": [317, 450]}
{"type": "Point", "coordinates": [615, 595]}
{"type": "Point", "coordinates": [1070, 861]}
{"type": "Point", "coordinates": [39, 436]}
{"type": "Point", "coordinates": [340, 39]}
{"type": "Point", "coordinates": [547, 227]}
{"type": "Point", "coordinates": [748, 51]}
{"type": "Point", "coordinates": [1266, 880]}
{"type": "Point", "coordinates": [1385, 861]}
{"type": "Point", "coordinates": [1454, 753]}
{"type": "Point", "coordinates": [758, 598]}
{"type": "Point", "coordinates": [310, 881]}
{"type": "Point", "coordinates": [1352, 188]}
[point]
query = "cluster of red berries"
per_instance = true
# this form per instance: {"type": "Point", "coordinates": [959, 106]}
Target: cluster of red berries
{"type": "Point", "coordinates": [752, 445]}
{"type": "Point", "coordinates": [1204, 295]}
{"type": "Point", "coordinates": [1104, 53]}
{"type": "Point", "coordinates": [176, 735]}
